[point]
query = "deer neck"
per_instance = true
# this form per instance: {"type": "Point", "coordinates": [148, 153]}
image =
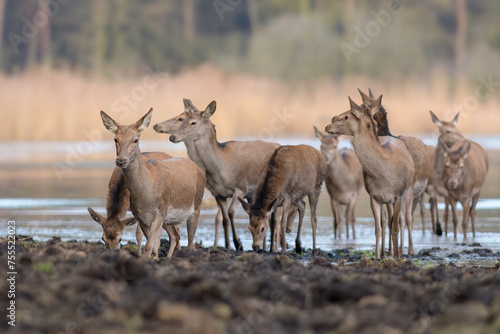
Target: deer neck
{"type": "Point", "coordinates": [137, 177]}
{"type": "Point", "coordinates": [371, 154]}
{"type": "Point", "coordinates": [209, 152]}
{"type": "Point", "coordinates": [192, 153]}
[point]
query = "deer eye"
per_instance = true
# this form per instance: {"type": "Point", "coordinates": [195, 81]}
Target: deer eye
{"type": "Point", "coordinates": [262, 229]}
{"type": "Point", "coordinates": [180, 119]}
{"type": "Point", "coordinates": [346, 117]}
{"type": "Point", "coordinates": [193, 123]}
{"type": "Point", "coordinates": [136, 141]}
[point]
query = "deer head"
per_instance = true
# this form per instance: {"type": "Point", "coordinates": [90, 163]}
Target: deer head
{"type": "Point", "coordinates": [352, 121]}
{"type": "Point", "coordinates": [126, 137]}
{"type": "Point", "coordinates": [112, 228]}
{"type": "Point", "coordinates": [453, 169]}
{"type": "Point", "coordinates": [379, 115]}
{"type": "Point", "coordinates": [328, 144]}
{"type": "Point", "coordinates": [196, 125]}
{"type": "Point", "coordinates": [258, 219]}
{"type": "Point", "coordinates": [448, 131]}
{"type": "Point", "coordinates": [171, 125]}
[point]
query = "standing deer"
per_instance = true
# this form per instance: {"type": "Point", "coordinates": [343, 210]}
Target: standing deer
{"type": "Point", "coordinates": [232, 168]}
{"type": "Point", "coordinates": [419, 154]}
{"type": "Point", "coordinates": [117, 205]}
{"type": "Point", "coordinates": [464, 176]}
{"type": "Point", "coordinates": [161, 191]}
{"type": "Point", "coordinates": [173, 124]}
{"type": "Point", "coordinates": [388, 168]}
{"type": "Point", "coordinates": [343, 179]}
{"type": "Point", "coordinates": [292, 173]}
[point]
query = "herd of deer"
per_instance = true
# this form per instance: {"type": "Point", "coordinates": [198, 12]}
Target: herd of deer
{"type": "Point", "coordinates": [271, 181]}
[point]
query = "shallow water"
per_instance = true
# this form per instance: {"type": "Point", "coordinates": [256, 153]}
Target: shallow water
{"type": "Point", "coordinates": [44, 204]}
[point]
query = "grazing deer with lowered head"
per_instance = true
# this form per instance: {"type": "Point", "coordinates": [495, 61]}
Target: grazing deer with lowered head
{"type": "Point", "coordinates": [419, 154]}
{"type": "Point", "coordinates": [161, 191]}
{"type": "Point", "coordinates": [117, 205]}
{"type": "Point", "coordinates": [292, 173]}
{"type": "Point", "coordinates": [232, 168]}
{"type": "Point", "coordinates": [343, 179]}
{"type": "Point", "coordinates": [388, 168]}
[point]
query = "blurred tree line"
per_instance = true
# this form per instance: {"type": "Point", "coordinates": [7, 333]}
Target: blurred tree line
{"type": "Point", "coordinates": [289, 39]}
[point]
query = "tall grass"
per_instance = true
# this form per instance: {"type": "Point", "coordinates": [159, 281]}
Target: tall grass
{"type": "Point", "coordinates": [62, 105]}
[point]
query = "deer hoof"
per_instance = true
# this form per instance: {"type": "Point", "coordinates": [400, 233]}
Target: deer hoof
{"type": "Point", "coordinates": [238, 245]}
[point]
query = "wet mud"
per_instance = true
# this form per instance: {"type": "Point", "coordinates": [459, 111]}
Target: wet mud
{"type": "Point", "coordinates": [80, 287]}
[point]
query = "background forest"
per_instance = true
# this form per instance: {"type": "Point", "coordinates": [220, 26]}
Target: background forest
{"type": "Point", "coordinates": [64, 60]}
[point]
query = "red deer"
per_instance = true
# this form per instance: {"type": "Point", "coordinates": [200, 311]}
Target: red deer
{"type": "Point", "coordinates": [117, 205]}
{"type": "Point", "coordinates": [388, 169]}
{"type": "Point", "coordinates": [161, 191]}
{"type": "Point", "coordinates": [292, 173]}
{"type": "Point", "coordinates": [449, 135]}
{"type": "Point", "coordinates": [232, 168]}
{"type": "Point", "coordinates": [419, 154]}
{"type": "Point", "coordinates": [343, 179]}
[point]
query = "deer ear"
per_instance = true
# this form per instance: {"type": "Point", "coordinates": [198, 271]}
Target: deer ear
{"type": "Point", "coordinates": [189, 106]}
{"type": "Point", "coordinates": [96, 216]}
{"type": "Point", "coordinates": [446, 149]}
{"type": "Point", "coordinates": [355, 109]}
{"type": "Point", "coordinates": [128, 221]}
{"type": "Point", "coordinates": [143, 123]}
{"type": "Point", "coordinates": [366, 99]}
{"type": "Point", "coordinates": [455, 119]}
{"type": "Point", "coordinates": [210, 110]}
{"type": "Point", "coordinates": [370, 93]}
{"type": "Point", "coordinates": [376, 105]}
{"type": "Point", "coordinates": [245, 205]}
{"type": "Point", "coordinates": [109, 123]}
{"type": "Point", "coordinates": [318, 133]}
{"type": "Point", "coordinates": [272, 205]}
{"type": "Point", "coordinates": [464, 149]}
{"type": "Point", "coordinates": [435, 119]}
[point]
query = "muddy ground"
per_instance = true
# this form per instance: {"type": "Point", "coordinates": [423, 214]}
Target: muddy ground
{"type": "Point", "coordinates": [80, 287]}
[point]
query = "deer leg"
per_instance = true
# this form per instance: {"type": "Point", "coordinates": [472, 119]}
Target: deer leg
{"type": "Point", "coordinates": [376, 215]}
{"type": "Point", "coordinates": [402, 225]}
{"type": "Point", "coordinates": [236, 240]}
{"type": "Point", "coordinates": [138, 237]}
{"type": "Point", "coordinates": [313, 202]}
{"type": "Point", "coordinates": [446, 205]}
{"type": "Point", "coordinates": [222, 202]}
{"type": "Point", "coordinates": [455, 217]}
{"type": "Point", "coordinates": [349, 216]}
{"type": "Point", "coordinates": [465, 214]}
{"type": "Point", "coordinates": [409, 208]}
{"type": "Point", "coordinates": [388, 220]}
{"type": "Point", "coordinates": [273, 226]}
{"type": "Point", "coordinates": [218, 223]}
{"type": "Point", "coordinates": [282, 226]}
{"type": "Point", "coordinates": [395, 226]}
{"type": "Point", "coordinates": [153, 239]}
{"type": "Point", "coordinates": [333, 205]}
{"type": "Point", "coordinates": [422, 213]}
{"type": "Point", "coordinates": [192, 225]}
{"type": "Point", "coordinates": [174, 239]}
{"type": "Point", "coordinates": [383, 224]}
{"type": "Point", "coordinates": [301, 207]}
{"type": "Point", "coordinates": [475, 198]}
